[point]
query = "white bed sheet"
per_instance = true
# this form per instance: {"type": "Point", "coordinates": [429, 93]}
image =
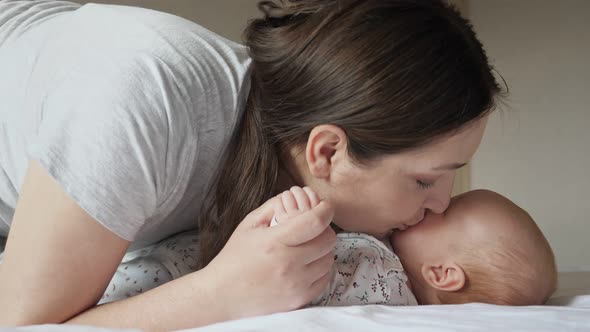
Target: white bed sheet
{"type": "Point", "coordinates": [471, 317]}
{"type": "Point", "coordinates": [568, 310]}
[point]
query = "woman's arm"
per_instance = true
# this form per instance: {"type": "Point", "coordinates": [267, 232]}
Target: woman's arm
{"type": "Point", "coordinates": [58, 260]}
{"type": "Point", "coordinates": [282, 269]}
{"type": "Point", "coordinates": [183, 303]}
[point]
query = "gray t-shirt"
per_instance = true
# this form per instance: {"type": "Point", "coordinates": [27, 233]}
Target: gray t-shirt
{"type": "Point", "coordinates": [128, 109]}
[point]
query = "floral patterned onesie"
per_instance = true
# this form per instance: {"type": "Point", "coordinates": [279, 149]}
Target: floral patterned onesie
{"type": "Point", "coordinates": [366, 271]}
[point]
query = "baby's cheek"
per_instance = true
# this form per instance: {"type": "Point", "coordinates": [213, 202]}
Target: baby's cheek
{"type": "Point", "coordinates": [391, 238]}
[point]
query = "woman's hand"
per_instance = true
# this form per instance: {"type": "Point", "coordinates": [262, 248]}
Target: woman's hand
{"type": "Point", "coordinates": [265, 269]}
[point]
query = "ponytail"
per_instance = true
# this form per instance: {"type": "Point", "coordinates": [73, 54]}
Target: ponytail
{"type": "Point", "coordinates": [245, 181]}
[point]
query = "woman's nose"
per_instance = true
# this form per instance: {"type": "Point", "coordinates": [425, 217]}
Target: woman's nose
{"type": "Point", "coordinates": [439, 199]}
{"type": "Point", "coordinates": [438, 205]}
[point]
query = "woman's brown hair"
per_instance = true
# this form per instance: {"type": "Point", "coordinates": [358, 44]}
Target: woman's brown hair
{"type": "Point", "coordinates": [393, 74]}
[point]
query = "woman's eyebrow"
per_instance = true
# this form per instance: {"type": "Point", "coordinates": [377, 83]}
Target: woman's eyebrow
{"type": "Point", "coordinates": [449, 166]}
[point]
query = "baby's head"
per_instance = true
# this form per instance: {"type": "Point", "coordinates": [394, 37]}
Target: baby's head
{"type": "Point", "coordinates": [484, 248]}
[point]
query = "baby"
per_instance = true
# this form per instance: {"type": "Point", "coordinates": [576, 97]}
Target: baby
{"type": "Point", "coordinates": [484, 248]}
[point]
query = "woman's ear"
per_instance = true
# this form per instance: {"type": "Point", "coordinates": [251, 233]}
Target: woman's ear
{"type": "Point", "coordinates": [448, 277]}
{"type": "Point", "coordinates": [326, 145]}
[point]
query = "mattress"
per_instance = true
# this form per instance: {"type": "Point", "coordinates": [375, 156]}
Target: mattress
{"type": "Point", "coordinates": [567, 310]}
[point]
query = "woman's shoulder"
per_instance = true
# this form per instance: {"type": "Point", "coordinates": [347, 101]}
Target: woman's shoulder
{"type": "Point", "coordinates": [129, 47]}
{"type": "Point", "coordinates": [131, 63]}
{"type": "Point", "coordinates": [171, 38]}
{"type": "Point", "coordinates": [149, 61]}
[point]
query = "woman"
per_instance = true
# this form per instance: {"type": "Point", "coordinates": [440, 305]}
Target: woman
{"type": "Point", "coordinates": [124, 126]}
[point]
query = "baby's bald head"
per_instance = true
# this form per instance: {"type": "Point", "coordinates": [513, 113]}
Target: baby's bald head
{"type": "Point", "coordinates": [484, 248]}
{"type": "Point", "coordinates": [507, 259]}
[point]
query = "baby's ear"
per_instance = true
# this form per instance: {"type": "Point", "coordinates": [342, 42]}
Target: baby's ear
{"type": "Point", "coordinates": [448, 276]}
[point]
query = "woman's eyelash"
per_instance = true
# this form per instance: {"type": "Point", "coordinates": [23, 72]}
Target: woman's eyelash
{"type": "Point", "coordinates": [424, 185]}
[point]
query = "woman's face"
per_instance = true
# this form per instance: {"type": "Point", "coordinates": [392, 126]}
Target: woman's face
{"type": "Point", "coordinates": [396, 191]}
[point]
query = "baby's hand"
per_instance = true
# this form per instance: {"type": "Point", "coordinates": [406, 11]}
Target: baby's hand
{"type": "Point", "coordinates": [294, 202]}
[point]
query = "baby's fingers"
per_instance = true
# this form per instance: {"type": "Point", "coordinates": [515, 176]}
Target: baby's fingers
{"type": "Point", "coordinates": [313, 197]}
{"type": "Point", "coordinates": [289, 202]}
{"type": "Point", "coordinates": [306, 226]}
{"type": "Point", "coordinates": [303, 201]}
{"type": "Point", "coordinates": [279, 209]}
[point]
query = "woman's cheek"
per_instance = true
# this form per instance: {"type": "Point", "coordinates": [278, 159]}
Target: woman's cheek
{"type": "Point", "coordinates": [412, 205]}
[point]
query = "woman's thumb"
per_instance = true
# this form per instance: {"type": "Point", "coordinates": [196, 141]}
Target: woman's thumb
{"type": "Point", "coordinates": [262, 216]}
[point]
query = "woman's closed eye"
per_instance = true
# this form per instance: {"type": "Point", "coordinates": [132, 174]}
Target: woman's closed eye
{"type": "Point", "coordinates": [425, 184]}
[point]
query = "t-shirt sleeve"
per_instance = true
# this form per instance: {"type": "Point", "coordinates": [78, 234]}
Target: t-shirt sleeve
{"type": "Point", "coordinates": [103, 137]}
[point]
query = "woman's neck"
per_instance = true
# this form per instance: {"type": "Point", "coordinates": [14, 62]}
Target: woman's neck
{"type": "Point", "coordinates": [285, 179]}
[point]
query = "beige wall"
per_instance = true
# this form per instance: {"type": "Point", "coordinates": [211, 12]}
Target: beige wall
{"type": "Point", "coordinates": [226, 17]}
{"type": "Point", "coordinates": [537, 151]}
{"type": "Point", "coordinates": [463, 176]}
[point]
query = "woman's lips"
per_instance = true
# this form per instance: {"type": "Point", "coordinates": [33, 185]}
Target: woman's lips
{"type": "Point", "coordinates": [405, 226]}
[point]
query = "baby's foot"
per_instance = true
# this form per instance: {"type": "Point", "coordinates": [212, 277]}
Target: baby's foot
{"type": "Point", "coordinates": [294, 202]}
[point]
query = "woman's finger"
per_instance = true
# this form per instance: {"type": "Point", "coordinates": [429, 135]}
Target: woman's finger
{"type": "Point", "coordinates": [306, 226]}
{"type": "Point", "coordinates": [262, 215]}
{"type": "Point", "coordinates": [318, 247]}
{"type": "Point", "coordinates": [316, 270]}
{"type": "Point", "coordinates": [318, 286]}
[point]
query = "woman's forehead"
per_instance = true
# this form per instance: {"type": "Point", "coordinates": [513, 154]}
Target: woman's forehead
{"type": "Point", "coordinates": [451, 150]}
